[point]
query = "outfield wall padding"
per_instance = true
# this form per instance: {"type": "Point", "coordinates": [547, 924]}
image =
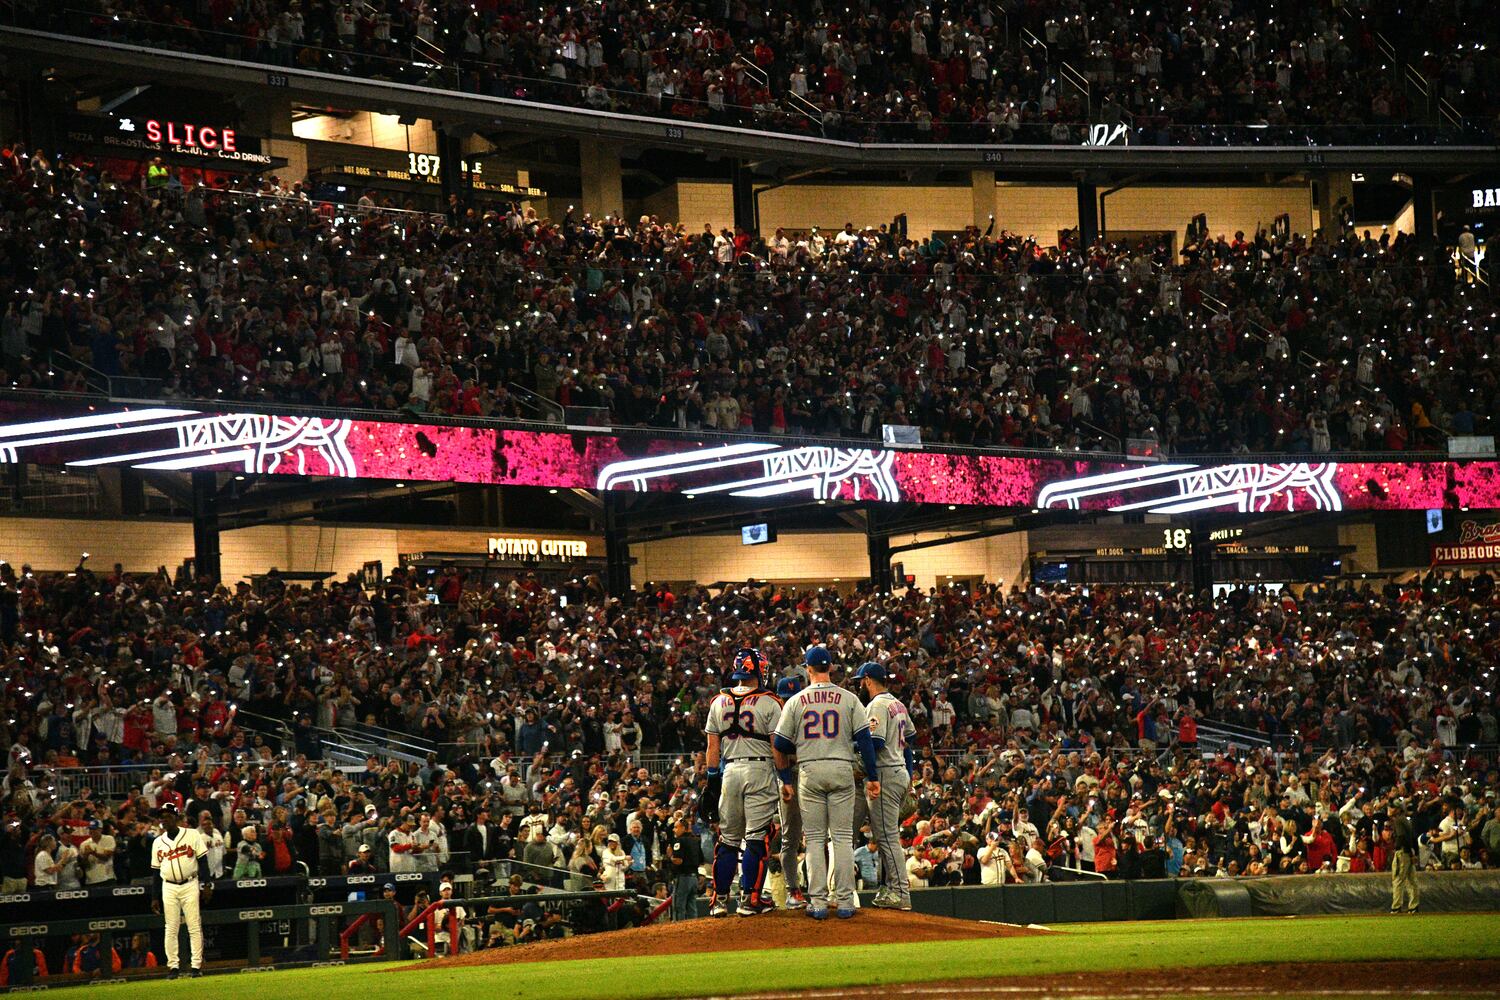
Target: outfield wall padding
{"type": "Point", "coordinates": [1300, 895]}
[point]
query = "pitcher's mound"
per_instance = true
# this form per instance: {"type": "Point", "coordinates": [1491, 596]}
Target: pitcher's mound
{"type": "Point", "coordinates": [782, 929]}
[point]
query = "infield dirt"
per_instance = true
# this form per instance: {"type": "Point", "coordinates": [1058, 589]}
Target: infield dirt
{"type": "Point", "coordinates": [780, 930]}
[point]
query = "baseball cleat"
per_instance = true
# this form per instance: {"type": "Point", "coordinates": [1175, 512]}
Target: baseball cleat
{"type": "Point", "coordinates": [844, 913]}
{"type": "Point", "coordinates": [749, 908]}
{"type": "Point", "coordinates": [173, 973]}
{"type": "Point", "coordinates": [719, 907]}
{"type": "Point", "coordinates": [906, 904]}
{"type": "Point", "coordinates": [818, 914]}
{"type": "Point", "coordinates": [196, 974]}
{"type": "Point", "coordinates": [796, 900]}
{"type": "Point", "coordinates": [886, 900]}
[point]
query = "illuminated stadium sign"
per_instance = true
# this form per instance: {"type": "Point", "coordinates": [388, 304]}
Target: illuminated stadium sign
{"type": "Point", "coordinates": [178, 438]}
{"type": "Point", "coordinates": [1478, 542]}
{"type": "Point", "coordinates": [214, 144]}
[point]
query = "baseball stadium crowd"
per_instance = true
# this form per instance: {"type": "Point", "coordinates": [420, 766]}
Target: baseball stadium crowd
{"type": "Point", "coordinates": [1268, 341]}
{"type": "Point", "coordinates": [1054, 728]}
{"type": "Point", "coordinates": [1181, 73]}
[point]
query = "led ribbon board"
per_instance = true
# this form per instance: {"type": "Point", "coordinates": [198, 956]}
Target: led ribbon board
{"type": "Point", "coordinates": [85, 435]}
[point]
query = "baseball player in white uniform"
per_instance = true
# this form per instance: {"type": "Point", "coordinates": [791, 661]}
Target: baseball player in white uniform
{"type": "Point", "coordinates": [822, 726]}
{"type": "Point", "coordinates": [740, 722]}
{"type": "Point", "coordinates": [180, 859]}
{"type": "Point", "coordinates": [890, 730]}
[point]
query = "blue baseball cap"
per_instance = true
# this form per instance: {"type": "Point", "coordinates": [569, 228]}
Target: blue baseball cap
{"type": "Point", "coordinates": [817, 656]}
{"type": "Point", "coordinates": [870, 669]}
{"type": "Point", "coordinates": [788, 686]}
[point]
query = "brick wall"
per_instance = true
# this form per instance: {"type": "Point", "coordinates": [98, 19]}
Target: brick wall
{"type": "Point", "coordinates": [1042, 211]}
{"type": "Point", "coordinates": [368, 128]}
{"type": "Point", "coordinates": [829, 206]}
{"type": "Point", "coordinates": [821, 556]}
{"type": "Point", "coordinates": [704, 201]}
{"type": "Point", "coordinates": [1366, 555]}
{"type": "Point", "coordinates": [1031, 209]}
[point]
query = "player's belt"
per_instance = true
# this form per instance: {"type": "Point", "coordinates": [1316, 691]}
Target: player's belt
{"type": "Point", "coordinates": [744, 760]}
{"type": "Point", "coordinates": [892, 767]}
{"type": "Point", "coordinates": [183, 882]}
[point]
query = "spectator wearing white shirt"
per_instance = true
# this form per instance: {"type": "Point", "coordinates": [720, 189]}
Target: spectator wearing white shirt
{"type": "Point", "coordinates": [45, 866]}
{"type": "Point", "coordinates": [403, 847]}
{"type": "Point", "coordinates": [96, 855]}
{"type": "Point", "coordinates": [942, 712]}
{"type": "Point", "coordinates": [994, 860]}
{"type": "Point", "coordinates": [613, 863]}
{"type": "Point", "coordinates": [164, 714]}
{"type": "Point", "coordinates": [214, 841]}
{"type": "Point", "coordinates": [431, 841]}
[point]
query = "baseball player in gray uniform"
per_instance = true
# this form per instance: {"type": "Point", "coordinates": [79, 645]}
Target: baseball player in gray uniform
{"type": "Point", "coordinates": [740, 722]}
{"type": "Point", "coordinates": [823, 726]}
{"type": "Point", "coordinates": [791, 811]}
{"type": "Point", "coordinates": [890, 728]}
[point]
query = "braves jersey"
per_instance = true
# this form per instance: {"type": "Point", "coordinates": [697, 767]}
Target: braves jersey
{"type": "Point", "coordinates": [758, 713]}
{"type": "Point", "coordinates": [889, 722]}
{"type": "Point", "coordinates": [177, 856]}
{"type": "Point", "coordinates": [822, 721]}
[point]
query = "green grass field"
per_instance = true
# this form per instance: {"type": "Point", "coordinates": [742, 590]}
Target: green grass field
{"type": "Point", "coordinates": [1076, 948]}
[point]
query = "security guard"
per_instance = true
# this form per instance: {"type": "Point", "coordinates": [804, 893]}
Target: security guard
{"type": "Point", "coordinates": [1403, 861]}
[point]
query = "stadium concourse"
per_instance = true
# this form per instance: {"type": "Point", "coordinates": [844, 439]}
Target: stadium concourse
{"type": "Point", "coordinates": [1337, 341]}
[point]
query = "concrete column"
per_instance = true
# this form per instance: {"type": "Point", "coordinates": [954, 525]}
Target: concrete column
{"type": "Point", "coordinates": [742, 196]}
{"type": "Point", "coordinates": [983, 184]}
{"type": "Point", "coordinates": [879, 548]}
{"type": "Point", "coordinates": [1421, 204]}
{"type": "Point", "coordinates": [206, 525]}
{"type": "Point", "coordinates": [599, 163]}
{"type": "Point", "coordinates": [1088, 213]}
{"type": "Point", "coordinates": [1333, 186]}
{"type": "Point", "coordinates": [523, 180]}
{"type": "Point", "coordinates": [616, 548]}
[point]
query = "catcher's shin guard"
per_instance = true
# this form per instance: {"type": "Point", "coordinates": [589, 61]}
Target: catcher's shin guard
{"type": "Point", "coordinates": [753, 867]}
{"type": "Point", "coordinates": [726, 860]}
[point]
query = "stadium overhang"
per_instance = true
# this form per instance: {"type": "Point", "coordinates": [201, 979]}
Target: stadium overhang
{"type": "Point", "coordinates": [93, 432]}
{"type": "Point", "coordinates": [138, 64]}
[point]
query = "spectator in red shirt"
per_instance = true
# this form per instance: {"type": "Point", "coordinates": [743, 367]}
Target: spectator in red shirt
{"type": "Point", "coordinates": [1187, 730]}
{"type": "Point", "coordinates": [1321, 849]}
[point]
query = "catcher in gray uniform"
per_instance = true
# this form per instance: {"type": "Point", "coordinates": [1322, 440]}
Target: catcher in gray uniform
{"type": "Point", "coordinates": [821, 726]}
{"type": "Point", "coordinates": [890, 728]}
{"type": "Point", "coordinates": [739, 727]}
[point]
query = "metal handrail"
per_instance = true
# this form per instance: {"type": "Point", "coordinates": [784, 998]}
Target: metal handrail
{"type": "Point", "coordinates": [806, 108]}
{"type": "Point", "coordinates": [549, 410]}
{"type": "Point", "coordinates": [430, 50]}
{"type": "Point", "coordinates": [1031, 40]}
{"type": "Point", "coordinates": [1082, 873]}
{"type": "Point", "coordinates": [1069, 75]}
{"type": "Point", "coordinates": [1112, 440]}
{"type": "Point", "coordinates": [93, 377]}
{"type": "Point", "coordinates": [1448, 113]}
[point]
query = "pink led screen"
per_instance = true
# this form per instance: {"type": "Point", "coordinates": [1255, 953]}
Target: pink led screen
{"type": "Point", "coordinates": [178, 438]}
